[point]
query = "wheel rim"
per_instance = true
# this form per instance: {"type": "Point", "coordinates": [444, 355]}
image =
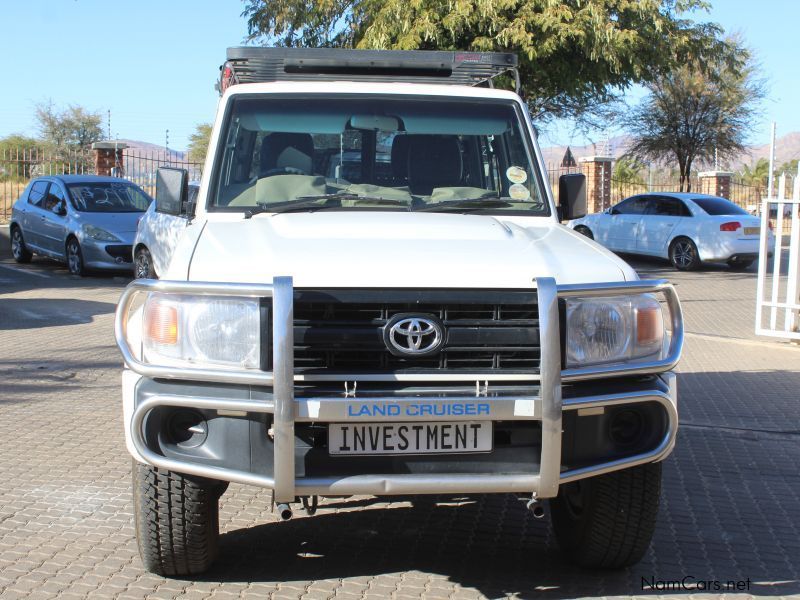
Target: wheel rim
{"type": "Point", "coordinates": [73, 258]}
{"type": "Point", "coordinates": [683, 254]}
{"type": "Point", "coordinates": [16, 244]}
{"type": "Point", "coordinates": [142, 266]}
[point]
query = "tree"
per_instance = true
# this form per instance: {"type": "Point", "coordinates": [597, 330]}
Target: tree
{"type": "Point", "coordinates": [576, 56]}
{"type": "Point", "coordinates": [198, 142]}
{"type": "Point", "coordinates": [789, 167]}
{"type": "Point", "coordinates": [628, 170]}
{"type": "Point", "coordinates": [68, 136]}
{"type": "Point", "coordinates": [698, 112]}
{"type": "Point", "coordinates": [757, 175]}
{"type": "Point", "coordinates": [71, 129]}
{"type": "Point", "coordinates": [17, 155]}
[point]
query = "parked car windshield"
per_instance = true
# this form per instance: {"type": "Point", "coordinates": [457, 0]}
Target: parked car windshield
{"type": "Point", "coordinates": [108, 196]}
{"type": "Point", "coordinates": [719, 206]}
{"type": "Point", "coordinates": [399, 153]}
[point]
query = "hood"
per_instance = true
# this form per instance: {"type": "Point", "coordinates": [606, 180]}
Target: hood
{"type": "Point", "coordinates": [404, 250]}
{"type": "Point", "coordinates": [122, 222]}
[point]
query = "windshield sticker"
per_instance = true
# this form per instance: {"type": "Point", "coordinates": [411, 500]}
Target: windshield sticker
{"type": "Point", "coordinates": [516, 174]}
{"type": "Point", "coordinates": [519, 192]}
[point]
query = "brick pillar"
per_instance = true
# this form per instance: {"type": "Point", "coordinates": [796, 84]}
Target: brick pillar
{"type": "Point", "coordinates": [108, 158]}
{"type": "Point", "coordinates": [598, 182]}
{"type": "Point", "coordinates": [716, 183]}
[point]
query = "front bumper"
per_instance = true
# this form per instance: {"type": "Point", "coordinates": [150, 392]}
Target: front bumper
{"type": "Point", "coordinates": [266, 413]}
{"type": "Point", "coordinates": [107, 255]}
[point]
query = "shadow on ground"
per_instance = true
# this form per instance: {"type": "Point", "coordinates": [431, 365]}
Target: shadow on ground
{"type": "Point", "coordinates": [730, 512]}
{"type": "Point", "coordinates": [32, 313]}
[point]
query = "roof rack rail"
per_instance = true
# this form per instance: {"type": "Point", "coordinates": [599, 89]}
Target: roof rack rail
{"type": "Point", "coordinates": [256, 65]}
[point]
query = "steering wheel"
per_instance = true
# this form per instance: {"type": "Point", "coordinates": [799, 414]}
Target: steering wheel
{"type": "Point", "coordinates": [284, 171]}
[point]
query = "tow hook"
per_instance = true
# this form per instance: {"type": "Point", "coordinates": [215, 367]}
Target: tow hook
{"type": "Point", "coordinates": [310, 504]}
{"type": "Point", "coordinates": [535, 507]}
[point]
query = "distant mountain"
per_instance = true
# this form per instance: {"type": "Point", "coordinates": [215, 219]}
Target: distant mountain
{"type": "Point", "coordinates": [787, 147]}
{"type": "Point", "coordinates": [153, 151]}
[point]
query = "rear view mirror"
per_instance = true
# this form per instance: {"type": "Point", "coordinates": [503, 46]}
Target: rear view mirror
{"type": "Point", "coordinates": [571, 196]}
{"type": "Point", "coordinates": [374, 123]}
{"type": "Point", "coordinates": [171, 190]}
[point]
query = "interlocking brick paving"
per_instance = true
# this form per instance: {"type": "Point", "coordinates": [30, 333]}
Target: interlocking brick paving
{"type": "Point", "coordinates": [731, 499]}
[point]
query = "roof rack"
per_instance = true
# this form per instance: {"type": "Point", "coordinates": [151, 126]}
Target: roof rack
{"type": "Point", "coordinates": [256, 65]}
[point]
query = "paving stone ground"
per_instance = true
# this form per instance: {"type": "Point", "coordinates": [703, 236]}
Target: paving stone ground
{"type": "Point", "coordinates": [731, 499]}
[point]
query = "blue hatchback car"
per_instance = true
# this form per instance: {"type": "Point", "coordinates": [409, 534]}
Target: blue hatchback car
{"type": "Point", "coordinates": [87, 221]}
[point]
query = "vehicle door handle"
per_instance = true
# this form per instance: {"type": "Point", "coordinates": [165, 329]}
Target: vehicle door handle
{"type": "Point", "coordinates": [42, 217]}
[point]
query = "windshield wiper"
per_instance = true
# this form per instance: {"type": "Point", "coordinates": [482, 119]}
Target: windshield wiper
{"type": "Point", "coordinates": [480, 203]}
{"type": "Point", "coordinates": [312, 203]}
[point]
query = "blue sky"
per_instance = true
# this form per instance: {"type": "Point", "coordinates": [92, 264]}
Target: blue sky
{"type": "Point", "coordinates": [153, 64]}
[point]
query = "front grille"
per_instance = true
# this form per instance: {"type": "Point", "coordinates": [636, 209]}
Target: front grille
{"type": "Point", "coordinates": [341, 331]}
{"type": "Point", "coordinates": [122, 251]}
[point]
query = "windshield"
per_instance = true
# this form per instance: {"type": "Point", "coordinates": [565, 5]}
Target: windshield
{"type": "Point", "coordinates": [376, 153]}
{"type": "Point", "coordinates": [718, 206]}
{"type": "Point", "coordinates": [108, 196]}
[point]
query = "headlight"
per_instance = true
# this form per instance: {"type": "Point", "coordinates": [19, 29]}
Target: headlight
{"type": "Point", "coordinates": [614, 329]}
{"type": "Point", "coordinates": [101, 235]}
{"type": "Point", "coordinates": [201, 330]}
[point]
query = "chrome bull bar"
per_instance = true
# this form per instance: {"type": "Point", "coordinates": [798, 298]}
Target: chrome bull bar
{"type": "Point", "coordinates": [546, 407]}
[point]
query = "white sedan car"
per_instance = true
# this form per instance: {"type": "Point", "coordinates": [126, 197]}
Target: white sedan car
{"type": "Point", "coordinates": [156, 237]}
{"type": "Point", "coordinates": [685, 228]}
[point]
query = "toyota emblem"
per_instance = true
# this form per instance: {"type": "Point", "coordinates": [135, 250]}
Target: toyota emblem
{"type": "Point", "coordinates": [413, 335]}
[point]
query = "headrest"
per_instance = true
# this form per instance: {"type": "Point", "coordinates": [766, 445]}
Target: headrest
{"type": "Point", "coordinates": [433, 161]}
{"type": "Point", "coordinates": [280, 149]}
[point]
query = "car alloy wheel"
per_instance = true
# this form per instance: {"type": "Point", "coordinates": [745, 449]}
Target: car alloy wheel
{"type": "Point", "coordinates": [74, 257]}
{"type": "Point", "coordinates": [17, 248]}
{"type": "Point", "coordinates": [143, 265]}
{"type": "Point", "coordinates": [684, 255]}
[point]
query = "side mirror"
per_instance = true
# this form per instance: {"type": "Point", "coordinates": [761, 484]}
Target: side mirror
{"type": "Point", "coordinates": [171, 190]}
{"type": "Point", "coordinates": [571, 196]}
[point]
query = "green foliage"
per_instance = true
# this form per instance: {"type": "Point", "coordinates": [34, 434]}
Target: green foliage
{"type": "Point", "coordinates": [198, 142]}
{"type": "Point", "coordinates": [576, 56]}
{"type": "Point", "coordinates": [68, 136]}
{"type": "Point", "coordinates": [628, 170]}
{"type": "Point", "coordinates": [696, 112]}
{"type": "Point", "coordinates": [17, 153]}
{"type": "Point", "coordinates": [73, 128]}
{"type": "Point", "coordinates": [789, 167]}
{"type": "Point", "coordinates": [756, 175]}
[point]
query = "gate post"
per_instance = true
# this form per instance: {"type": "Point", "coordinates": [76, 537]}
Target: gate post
{"type": "Point", "coordinates": [716, 183]}
{"type": "Point", "coordinates": [598, 182]}
{"type": "Point", "coordinates": [108, 158]}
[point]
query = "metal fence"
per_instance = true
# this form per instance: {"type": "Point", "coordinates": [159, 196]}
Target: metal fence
{"type": "Point", "coordinates": [140, 166]}
{"type": "Point", "coordinates": [19, 165]}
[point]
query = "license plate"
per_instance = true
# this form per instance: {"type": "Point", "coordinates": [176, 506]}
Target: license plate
{"type": "Point", "coordinates": [752, 230]}
{"type": "Point", "coordinates": [410, 438]}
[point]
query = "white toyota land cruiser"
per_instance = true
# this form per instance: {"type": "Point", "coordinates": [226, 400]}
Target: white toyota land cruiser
{"type": "Point", "coordinates": [374, 296]}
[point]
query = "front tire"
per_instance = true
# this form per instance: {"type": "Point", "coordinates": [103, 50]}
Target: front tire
{"type": "Point", "coordinates": [683, 255]}
{"type": "Point", "coordinates": [608, 521]}
{"type": "Point", "coordinates": [19, 250]}
{"type": "Point", "coordinates": [75, 258]}
{"type": "Point", "coordinates": [585, 231]}
{"type": "Point", "coordinates": [177, 521]}
{"type": "Point", "coordinates": [143, 265]}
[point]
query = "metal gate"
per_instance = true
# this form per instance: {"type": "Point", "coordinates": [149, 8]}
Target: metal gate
{"type": "Point", "coordinates": [778, 300]}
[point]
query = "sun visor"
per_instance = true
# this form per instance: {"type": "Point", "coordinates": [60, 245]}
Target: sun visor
{"type": "Point", "coordinates": [293, 122]}
{"type": "Point", "coordinates": [438, 125]}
